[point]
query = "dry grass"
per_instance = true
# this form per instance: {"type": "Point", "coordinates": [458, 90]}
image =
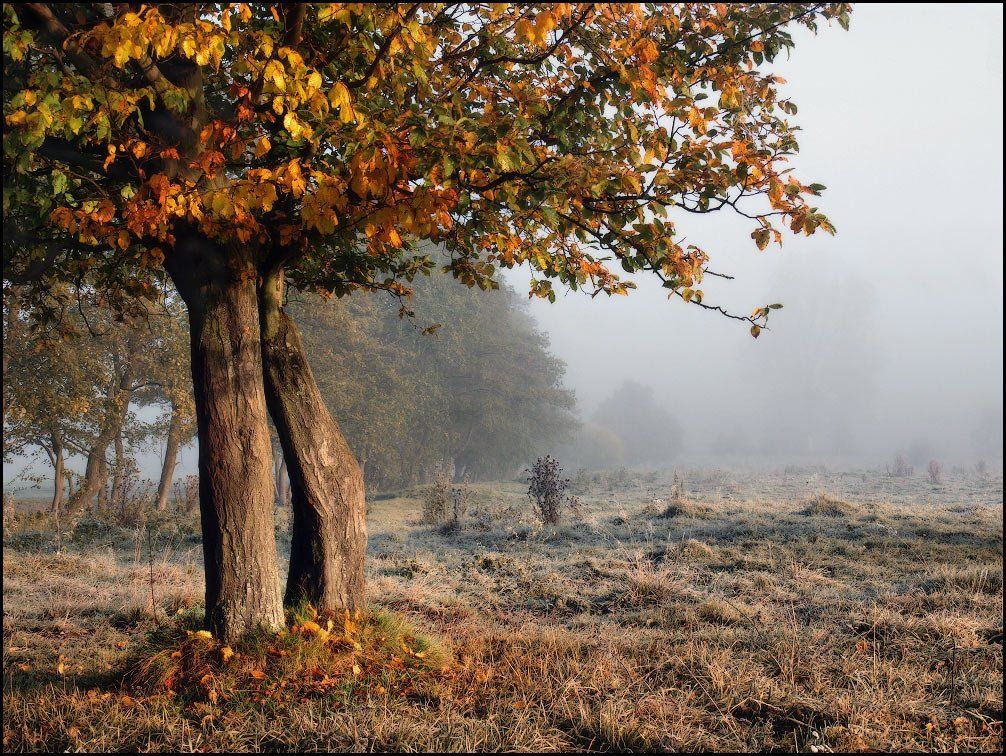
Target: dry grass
{"type": "Point", "coordinates": [761, 626]}
{"type": "Point", "coordinates": [823, 505]}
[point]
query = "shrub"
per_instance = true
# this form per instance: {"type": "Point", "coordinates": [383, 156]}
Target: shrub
{"type": "Point", "coordinates": [901, 468]}
{"type": "Point", "coordinates": [435, 498]}
{"type": "Point", "coordinates": [935, 471]}
{"type": "Point", "coordinates": [445, 503]}
{"type": "Point", "coordinates": [186, 493]}
{"type": "Point", "coordinates": [679, 505]}
{"type": "Point", "coordinates": [547, 490]}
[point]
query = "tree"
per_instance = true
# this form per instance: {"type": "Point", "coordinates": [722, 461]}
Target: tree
{"type": "Point", "coordinates": [467, 380]}
{"type": "Point", "coordinates": [240, 145]}
{"type": "Point", "coordinates": [647, 431]}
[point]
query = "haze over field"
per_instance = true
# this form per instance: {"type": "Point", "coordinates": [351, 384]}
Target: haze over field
{"type": "Point", "coordinates": [892, 333]}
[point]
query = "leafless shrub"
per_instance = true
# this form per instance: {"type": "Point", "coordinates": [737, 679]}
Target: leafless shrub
{"type": "Point", "coordinates": [446, 503]}
{"type": "Point", "coordinates": [186, 493]}
{"type": "Point", "coordinates": [680, 505]}
{"type": "Point", "coordinates": [547, 490]}
{"type": "Point", "coordinates": [133, 497]}
{"type": "Point", "coordinates": [436, 498]}
{"type": "Point", "coordinates": [935, 472]}
{"type": "Point", "coordinates": [901, 468]}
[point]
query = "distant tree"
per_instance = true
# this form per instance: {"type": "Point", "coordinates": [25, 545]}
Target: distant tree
{"type": "Point", "coordinates": [476, 387]}
{"type": "Point", "coordinates": [595, 447]}
{"type": "Point", "coordinates": [647, 430]}
{"type": "Point", "coordinates": [235, 146]}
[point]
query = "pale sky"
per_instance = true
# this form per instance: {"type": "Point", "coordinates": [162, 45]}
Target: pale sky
{"type": "Point", "coordinates": [894, 326]}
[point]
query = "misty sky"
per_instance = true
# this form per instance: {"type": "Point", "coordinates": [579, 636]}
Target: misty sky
{"type": "Point", "coordinates": [892, 330]}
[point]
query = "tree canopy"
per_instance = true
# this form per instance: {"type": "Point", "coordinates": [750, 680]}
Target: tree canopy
{"type": "Point", "coordinates": [334, 137]}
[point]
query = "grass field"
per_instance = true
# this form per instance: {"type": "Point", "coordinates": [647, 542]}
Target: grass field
{"type": "Point", "coordinates": [801, 610]}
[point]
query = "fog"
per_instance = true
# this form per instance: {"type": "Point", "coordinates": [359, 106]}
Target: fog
{"type": "Point", "coordinates": [891, 333]}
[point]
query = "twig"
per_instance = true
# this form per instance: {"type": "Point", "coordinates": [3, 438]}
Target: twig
{"type": "Point", "coordinates": [150, 564]}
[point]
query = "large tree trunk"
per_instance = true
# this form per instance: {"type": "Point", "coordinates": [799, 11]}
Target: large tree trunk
{"type": "Point", "coordinates": [235, 457]}
{"type": "Point", "coordinates": [329, 537]}
{"type": "Point", "coordinates": [170, 460]}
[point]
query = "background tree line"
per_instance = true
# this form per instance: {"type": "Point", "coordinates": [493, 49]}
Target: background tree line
{"type": "Point", "coordinates": [466, 382]}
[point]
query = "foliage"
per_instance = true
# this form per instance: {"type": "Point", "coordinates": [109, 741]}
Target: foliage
{"type": "Point", "coordinates": [332, 139]}
{"type": "Point", "coordinates": [64, 378]}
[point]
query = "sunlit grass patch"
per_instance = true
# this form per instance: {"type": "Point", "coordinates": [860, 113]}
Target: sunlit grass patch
{"type": "Point", "coordinates": [316, 655]}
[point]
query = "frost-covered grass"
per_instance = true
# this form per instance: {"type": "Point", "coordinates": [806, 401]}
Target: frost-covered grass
{"type": "Point", "coordinates": [759, 616]}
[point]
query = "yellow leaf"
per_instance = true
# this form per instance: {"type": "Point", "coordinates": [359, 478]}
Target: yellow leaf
{"type": "Point", "coordinates": [226, 653]}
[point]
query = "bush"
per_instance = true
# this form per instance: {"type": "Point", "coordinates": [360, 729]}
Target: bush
{"type": "Point", "coordinates": [901, 468]}
{"type": "Point", "coordinates": [935, 471]}
{"type": "Point", "coordinates": [186, 493]}
{"type": "Point", "coordinates": [445, 503]}
{"type": "Point", "coordinates": [547, 490]}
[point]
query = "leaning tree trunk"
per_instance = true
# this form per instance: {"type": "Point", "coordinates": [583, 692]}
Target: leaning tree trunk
{"type": "Point", "coordinates": [170, 460]}
{"type": "Point", "coordinates": [329, 537]}
{"type": "Point", "coordinates": [235, 457]}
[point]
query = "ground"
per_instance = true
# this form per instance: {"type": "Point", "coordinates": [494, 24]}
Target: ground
{"type": "Point", "coordinates": [801, 609]}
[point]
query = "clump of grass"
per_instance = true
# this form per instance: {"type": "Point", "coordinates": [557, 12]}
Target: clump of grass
{"type": "Point", "coordinates": [718, 611]}
{"type": "Point", "coordinates": [315, 655]}
{"type": "Point", "coordinates": [696, 549]}
{"type": "Point", "coordinates": [823, 505]}
{"type": "Point", "coordinates": [971, 579]}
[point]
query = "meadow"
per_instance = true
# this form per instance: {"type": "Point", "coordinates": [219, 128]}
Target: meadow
{"type": "Point", "coordinates": [804, 609]}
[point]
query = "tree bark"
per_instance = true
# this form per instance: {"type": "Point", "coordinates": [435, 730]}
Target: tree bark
{"type": "Point", "coordinates": [235, 458]}
{"type": "Point", "coordinates": [170, 460]}
{"type": "Point", "coordinates": [282, 484]}
{"type": "Point", "coordinates": [329, 538]}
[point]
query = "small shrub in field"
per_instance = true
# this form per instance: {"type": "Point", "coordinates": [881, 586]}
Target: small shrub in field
{"type": "Point", "coordinates": [186, 493]}
{"type": "Point", "coordinates": [901, 468]}
{"type": "Point", "coordinates": [935, 471]}
{"type": "Point", "coordinates": [547, 490]}
{"type": "Point", "coordinates": [679, 505]}
{"type": "Point", "coordinates": [445, 503]}
{"type": "Point", "coordinates": [436, 498]}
